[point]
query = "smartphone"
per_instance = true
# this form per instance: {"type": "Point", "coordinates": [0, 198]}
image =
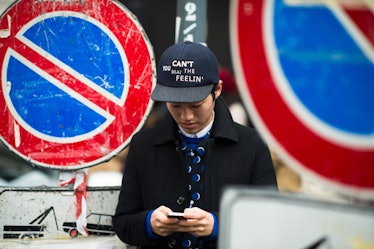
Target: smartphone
{"type": "Point", "coordinates": [178, 215]}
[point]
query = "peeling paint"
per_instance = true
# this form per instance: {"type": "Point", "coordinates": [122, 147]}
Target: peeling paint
{"type": "Point", "coordinates": [17, 136]}
{"type": "Point", "coordinates": [4, 33]}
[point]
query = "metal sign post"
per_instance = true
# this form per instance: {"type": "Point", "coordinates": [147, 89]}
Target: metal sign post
{"type": "Point", "coordinates": [75, 86]}
{"type": "Point", "coordinates": [190, 24]}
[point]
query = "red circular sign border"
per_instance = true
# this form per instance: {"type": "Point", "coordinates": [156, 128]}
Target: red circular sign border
{"type": "Point", "coordinates": [45, 153]}
{"type": "Point", "coordinates": [339, 167]}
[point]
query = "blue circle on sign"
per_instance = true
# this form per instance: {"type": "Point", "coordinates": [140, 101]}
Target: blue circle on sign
{"type": "Point", "coordinates": [86, 50]}
{"type": "Point", "coordinates": [325, 68]}
{"type": "Point", "coordinates": [47, 108]}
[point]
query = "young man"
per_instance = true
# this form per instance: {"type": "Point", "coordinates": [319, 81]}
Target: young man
{"type": "Point", "coordinates": [184, 162]}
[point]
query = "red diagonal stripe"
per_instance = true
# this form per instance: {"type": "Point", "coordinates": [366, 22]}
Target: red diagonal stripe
{"type": "Point", "coordinates": [364, 20]}
{"type": "Point", "coordinates": [63, 76]}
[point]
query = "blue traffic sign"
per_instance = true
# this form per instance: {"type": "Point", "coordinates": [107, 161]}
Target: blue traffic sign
{"type": "Point", "coordinates": [305, 72]}
{"type": "Point", "coordinates": [327, 70]}
{"type": "Point", "coordinates": [76, 81]}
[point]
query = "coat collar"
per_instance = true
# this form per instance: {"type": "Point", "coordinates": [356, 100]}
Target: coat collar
{"type": "Point", "coordinates": [223, 126]}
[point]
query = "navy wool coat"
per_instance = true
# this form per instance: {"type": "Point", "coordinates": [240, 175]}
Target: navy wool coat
{"type": "Point", "coordinates": [155, 173]}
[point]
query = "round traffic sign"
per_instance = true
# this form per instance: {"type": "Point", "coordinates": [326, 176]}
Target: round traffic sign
{"type": "Point", "coordinates": [76, 80]}
{"type": "Point", "coordinates": [305, 72]}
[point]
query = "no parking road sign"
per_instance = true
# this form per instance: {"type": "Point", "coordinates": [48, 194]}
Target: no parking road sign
{"type": "Point", "coordinates": [305, 70]}
{"type": "Point", "coordinates": [76, 80]}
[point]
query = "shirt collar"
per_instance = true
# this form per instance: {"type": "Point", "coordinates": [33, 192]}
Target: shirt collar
{"type": "Point", "coordinates": [201, 133]}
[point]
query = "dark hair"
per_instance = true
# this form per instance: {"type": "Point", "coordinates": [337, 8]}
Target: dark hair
{"type": "Point", "coordinates": [213, 92]}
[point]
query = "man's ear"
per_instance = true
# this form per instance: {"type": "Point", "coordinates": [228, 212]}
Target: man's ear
{"type": "Point", "coordinates": [218, 90]}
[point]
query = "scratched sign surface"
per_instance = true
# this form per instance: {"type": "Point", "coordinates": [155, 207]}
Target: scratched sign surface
{"type": "Point", "coordinates": [76, 80]}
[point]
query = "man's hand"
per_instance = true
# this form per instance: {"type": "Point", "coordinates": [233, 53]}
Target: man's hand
{"type": "Point", "coordinates": [197, 222]}
{"type": "Point", "coordinates": [161, 224]}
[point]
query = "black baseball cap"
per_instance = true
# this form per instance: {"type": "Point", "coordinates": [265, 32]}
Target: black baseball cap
{"type": "Point", "coordinates": [186, 72]}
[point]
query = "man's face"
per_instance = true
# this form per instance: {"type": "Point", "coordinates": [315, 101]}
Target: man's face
{"type": "Point", "coordinates": [192, 117]}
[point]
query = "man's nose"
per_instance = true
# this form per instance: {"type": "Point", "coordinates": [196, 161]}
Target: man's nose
{"type": "Point", "coordinates": [187, 114]}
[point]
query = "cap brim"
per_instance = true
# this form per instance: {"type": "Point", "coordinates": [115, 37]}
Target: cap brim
{"type": "Point", "coordinates": [181, 94]}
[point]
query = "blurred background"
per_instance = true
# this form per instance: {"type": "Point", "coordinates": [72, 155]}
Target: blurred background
{"type": "Point", "coordinates": [158, 20]}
